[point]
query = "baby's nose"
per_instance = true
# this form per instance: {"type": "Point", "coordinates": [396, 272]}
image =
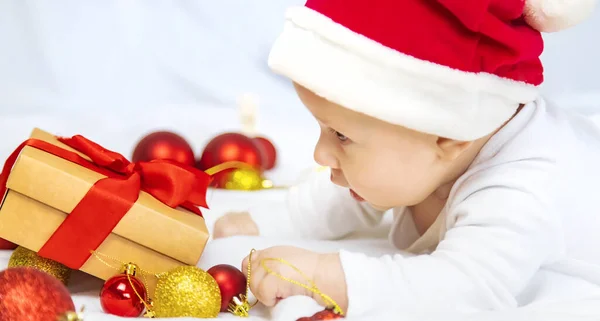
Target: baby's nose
{"type": "Point", "coordinates": [324, 158]}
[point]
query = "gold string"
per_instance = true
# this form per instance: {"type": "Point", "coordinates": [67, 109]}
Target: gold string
{"type": "Point", "coordinates": [266, 184]}
{"type": "Point", "coordinates": [312, 287]}
{"type": "Point", "coordinates": [248, 276]}
{"type": "Point", "coordinates": [146, 305]}
{"type": "Point", "coordinates": [98, 254]}
{"type": "Point", "coordinates": [240, 306]}
{"type": "Point", "coordinates": [248, 273]}
{"type": "Point", "coordinates": [228, 165]}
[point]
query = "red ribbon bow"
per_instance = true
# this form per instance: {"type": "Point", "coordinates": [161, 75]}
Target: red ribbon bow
{"type": "Point", "coordinates": [110, 198]}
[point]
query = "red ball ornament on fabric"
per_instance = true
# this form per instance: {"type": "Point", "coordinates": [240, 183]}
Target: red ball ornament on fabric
{"type": "Point", "coordinates": [327, 314]}
{"type": "Point", "coordinates": [230, 147]}
{"type": "Point", "coordinates": [28, 294]}
{"type": "Point", "coordinates": [164, 145]}
{"type": "Point", "coordinates": [118, 296]}
{"type": "Point", "coordinates": [6, 245]}
{"type": "Point", "coordinates": [231, 281]}
{"type": "Point", "coordinates": [226, 148]}
{"type": "Point", "coordinates": [268, 152]}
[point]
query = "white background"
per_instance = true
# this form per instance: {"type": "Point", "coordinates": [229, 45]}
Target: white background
{"type": "Point", "coordinates": [114, 70]}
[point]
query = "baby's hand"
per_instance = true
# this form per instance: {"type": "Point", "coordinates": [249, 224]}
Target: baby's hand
{"type": "Point", "coordinates": [325, 270]}
{"type": "Point", "coordinates": [232, 224]}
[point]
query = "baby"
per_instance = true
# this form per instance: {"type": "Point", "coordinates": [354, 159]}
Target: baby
{"type": "Point", "coordinates": [431, 109]}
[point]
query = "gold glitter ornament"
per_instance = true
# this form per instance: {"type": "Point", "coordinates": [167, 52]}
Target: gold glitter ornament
{"type": "Point", "coordinates": [187, 291]}
{"type": "Point", "coordinates": [245, 179]}
{"type": "Point", "coordinates": [23, 257]}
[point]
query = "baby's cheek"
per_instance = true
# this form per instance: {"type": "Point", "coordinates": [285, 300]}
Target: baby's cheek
{"type": "Point", "coordinates": [375, 185]}
{"type": "Point", "coordinates": [367, 177]}
{"type": "Point", "coordinates": [392, 186]}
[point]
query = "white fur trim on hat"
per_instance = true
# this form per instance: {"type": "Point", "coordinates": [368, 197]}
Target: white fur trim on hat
{"type": "Point", "coordinates": [557, 15]}
{"type": "Point", "coordinates": [363, 75]}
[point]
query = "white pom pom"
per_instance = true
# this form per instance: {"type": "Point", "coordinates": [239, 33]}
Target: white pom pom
{"type": "Point", "coordinates": [556, 15]}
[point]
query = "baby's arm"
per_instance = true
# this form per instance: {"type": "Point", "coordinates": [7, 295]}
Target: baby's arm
{"type": "Point", "coordinates": [316, 208]}
{"type": "Point", "coordinates": [499, 237]}
{"type": "Point", "coordinates": [502, 228]}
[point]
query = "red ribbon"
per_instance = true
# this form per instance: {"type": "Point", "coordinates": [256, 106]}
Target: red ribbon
{"type": "Point", "coordinates": [110, 198]}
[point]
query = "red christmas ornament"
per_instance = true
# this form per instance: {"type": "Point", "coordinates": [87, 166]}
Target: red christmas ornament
{"type": "Point", "coordinates": [230, 147]}
{"type": "Point", "coordinates": [28, 294]}
{"type": "Point", "coordinates": [232, 283]}
{"type": "Point", "coordinates": [119, 298]}
{"type": "Point", "coordinates": [226, 148]}
{"type": "Point", "coordinates": [6, 245]}
{"type": "Point", "coordinates": [327, 314]}
{"type": "Point", "coordinates": [268, 152]}
{"type": "Point", "coordinates": [164, 145]}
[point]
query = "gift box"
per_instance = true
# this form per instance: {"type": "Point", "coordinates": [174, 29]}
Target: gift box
{"type": "Point", "coordinates": [89, 208]}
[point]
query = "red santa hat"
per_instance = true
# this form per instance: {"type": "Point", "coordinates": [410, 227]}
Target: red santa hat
{"type": "Point", "coordinates": [454, 68]}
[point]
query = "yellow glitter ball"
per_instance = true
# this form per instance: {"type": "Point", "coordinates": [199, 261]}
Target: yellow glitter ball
{"type": "Point", "coordinates": [244, 179]}
{"type": "Point", "coordinates": [23, 257]}
{"type": "Point", "coordinates": [187, 291]}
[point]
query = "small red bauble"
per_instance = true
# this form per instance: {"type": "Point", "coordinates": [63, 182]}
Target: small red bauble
{"type": "Point", "coordinates": [268, 152]}
{"type": "Point", "coordinates": [231, 281]}
{"type": "Point", "coordinates": [28, 294]}
{"type": "Point", "coordinates": [6, 245]}
{"type": "Point", "coordinates": [226, 148]}
{"type": "Point", "coordinates": [164, 145]}
{"type": "Point", "coordinates": [327, 314]}
{"type": "Point", "coordinates": [119, 298]}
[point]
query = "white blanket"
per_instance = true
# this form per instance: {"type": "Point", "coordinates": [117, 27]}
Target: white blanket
{"type": "Point", "coordinates": [85, 288]}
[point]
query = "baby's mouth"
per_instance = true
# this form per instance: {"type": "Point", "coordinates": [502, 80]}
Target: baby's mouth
{"type": "Point", "coordinates": [356, 196]}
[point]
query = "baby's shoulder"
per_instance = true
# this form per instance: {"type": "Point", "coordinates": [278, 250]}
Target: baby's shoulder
{"type": "Point", "coordinates": [545, 151]}
{"type": "Point", "coordinates": [545, 132]}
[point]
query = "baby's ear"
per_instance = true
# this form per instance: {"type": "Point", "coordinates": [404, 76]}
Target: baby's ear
{"type": "Point", "coordinates": [450, 149]}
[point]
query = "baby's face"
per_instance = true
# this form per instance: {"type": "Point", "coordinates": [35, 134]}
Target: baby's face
{"type": "Point", "coordinates": [386, 165]}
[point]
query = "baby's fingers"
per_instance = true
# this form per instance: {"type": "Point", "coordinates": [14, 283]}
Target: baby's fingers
{"type": "Point", "coordinates": [265, 287]}
{"type": "Point", "coordinates": [269, 290]}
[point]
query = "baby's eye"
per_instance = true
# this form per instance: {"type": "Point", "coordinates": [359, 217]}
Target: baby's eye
{"type": "Point", "coordinates": [339, 135]}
